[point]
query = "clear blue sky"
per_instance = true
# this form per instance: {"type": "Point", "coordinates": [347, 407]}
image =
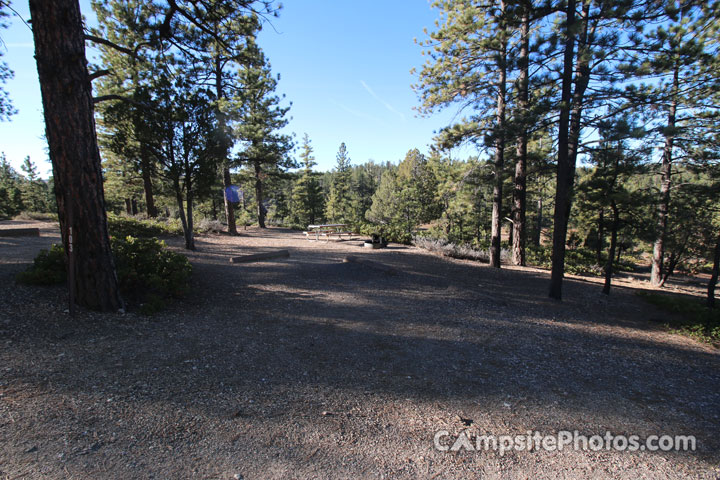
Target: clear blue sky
{"type": "Point", "coordinates": [344, 65]}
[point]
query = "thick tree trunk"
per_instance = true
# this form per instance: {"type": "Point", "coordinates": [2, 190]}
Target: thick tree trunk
{"type": "Point", "coordinates": [565, 170]}
{"type": "Point", "coordinates": [128, 206]}
{"type": "Point", "coordinates": [520, 186]}
{"type": "Point", "coordinates": [496, 225]}
{"type": "Point", "coordinates": [70, 129]}
{"type": "Point", "coordinates": [613, 244]}
{"type": "Point", "coordinates": [134, 206]}
{"type": "Point", "coordinates": [229, 208]}
{"type": "Point", "coordinates": [666, 172]}
{"type": "Point", "coordinates": [714, 276]}
{"type": "Point", "coordinates": [148, 186]}
{"type": "Point", "coordinates": [259, 195]}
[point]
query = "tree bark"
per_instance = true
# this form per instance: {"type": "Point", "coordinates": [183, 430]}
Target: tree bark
{"type": "Point", "coordinates": [666, 172]}
{"type": "Point", "coordinates": [714, 276]}
{"type": "Point", "coordinates": [187, 230]}
{"type": "Point", "coordinates": [520, 185]}
{"type": "Point", "coordinates": [496, 225]}
{"type": "Point", "coordinates": [538, 234]}
{"type": "Point", "coordinates": [565, 169]}
{"type": "Point", "coordinates": [70, 129]}
{"type": "Point", "coordinates": [134, 206]}
{"type": "Point", "coordinates": [229, 207]}
{"type": "Point", "coordinates": [259, 195]}
{"type": "Point", "coordinates": [128, 206]}
{"type": "Point", "coordinates": [613, 244]}
{"type": "Point", "coordinates": [599, 236]}
{"type": "Point", "coordinates": [147, 185]}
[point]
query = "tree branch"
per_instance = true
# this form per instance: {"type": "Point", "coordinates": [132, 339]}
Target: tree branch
{"type": "Point", "coordinates": [110, 44]}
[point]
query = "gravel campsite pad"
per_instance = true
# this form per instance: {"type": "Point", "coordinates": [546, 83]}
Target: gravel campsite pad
{"type": "Point", "coordinates": [313, 367]}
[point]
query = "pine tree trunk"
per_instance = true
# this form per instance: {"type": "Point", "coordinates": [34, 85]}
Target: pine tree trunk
{"type": "Point", "coordinates": [495, 225]}
{"type": "Point", "coordinates": [613, 244]}
{"type": "Point", "coordinates": [133, 206]}
{"type": "Point", "coordinates": [600, 235]}
{"type": "Point", "coordinates": [189, 234]}
{"type": "Point", "coordinates": [565, 170]}
{"type": "Point", "coordinates": [563, 198]}
{"type": "Point", "coordinates": [259, 195]}
{"type": "Point", "coordinates": [229, 208]}
{"type": "Point", "coordinates": [128, 206]}
{"type": "Point", "coordinates": [147, 185]}
{"type": "Point", "coordinates": [538, 233]}
{"type": "Point", "coordinates": [666, 172]}
{"type": "Point", "coordinates": [70, 129]}
{"type": "Point", "coordinates": [520, 186]}
{"type": "Point", "coordinates": [714, 276]}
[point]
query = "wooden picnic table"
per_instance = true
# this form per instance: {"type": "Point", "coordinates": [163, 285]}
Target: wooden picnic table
{"type": "Point", "coordinates": [326, 230]}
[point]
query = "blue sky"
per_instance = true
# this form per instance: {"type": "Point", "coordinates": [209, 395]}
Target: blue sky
{"type": "Point", "coordinates": [344, 65]}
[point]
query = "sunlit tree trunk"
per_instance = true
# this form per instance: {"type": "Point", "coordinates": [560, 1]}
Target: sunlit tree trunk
{"type": "Point", "coordinates": [666, 172]}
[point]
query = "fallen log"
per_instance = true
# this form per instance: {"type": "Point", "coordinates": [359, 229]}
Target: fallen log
{"type": "Point", "coordinates": [20, 232]}
{"type": "Point", "coordinates": [371, 264]}
{"type": "Point", "coordinates": [258, 257]}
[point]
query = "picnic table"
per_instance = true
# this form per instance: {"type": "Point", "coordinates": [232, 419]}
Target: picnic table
{"type": "Point", "coordinates": [327, 230]}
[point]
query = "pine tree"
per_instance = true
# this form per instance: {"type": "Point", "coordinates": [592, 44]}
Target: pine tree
{"type": "Point", "coordinates": [6, 108]}
{"type": "Point", "coordinates": [123, 95]}
{"type": "Point", "coordinates": [10, 190]}
{"type": "Point", "coordinates": [216, 53]}
{"type": "Point", "coordinates": [307, 199]}
{"type": "Point", "coordinates": [339, 207]}
{"type": "Point", "coordinates": [263, 149]}
{"type": "Point", "coordinates": [678, 57]}
{"type": "Point", "coordinates": [34, 190]}
{"type": "Point", "coordinates": [70, 128]}
{"type": "Point", "coordinates": [469, 65]}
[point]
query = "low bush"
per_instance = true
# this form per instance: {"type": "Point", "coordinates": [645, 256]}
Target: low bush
{"type": "Point", "coordinates": [207, 225]}
{"type": "Point", "coordinates": [48, 268]}
{"type": "Point", "coordinates": [461, 251]}
{"type": "Point", "coordinates": [693, 316]}
{"type": "Point", "coordinates": [123, 226]}
{"type": "Point", "coordinates": [148, 273]}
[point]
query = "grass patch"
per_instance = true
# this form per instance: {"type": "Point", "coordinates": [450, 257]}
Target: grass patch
{"type": "Point", "coordinates": [693, 317]}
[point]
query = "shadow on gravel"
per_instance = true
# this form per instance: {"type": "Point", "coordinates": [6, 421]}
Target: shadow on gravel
{"type": "Point", "coordinates": [475, 341]}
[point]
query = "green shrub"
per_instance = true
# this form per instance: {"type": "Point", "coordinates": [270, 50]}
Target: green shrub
{"type": "Point", "coordinates": [48, 268]}
{"type": "Point", "coordinates": [123, 226]}
{"type": "Point", "coordinates": [148, 273]}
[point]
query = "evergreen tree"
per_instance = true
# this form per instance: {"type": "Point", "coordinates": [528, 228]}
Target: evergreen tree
{"type": "Point", "coordinates": [34, 190]}
{"type": "Point", "coordinates": [264, 149]}
{"type": "Point", "coordinates": [6, 108]}
{"type": "Point", "coordinates": [679, 102]}
{"type": "Point", "coordinates": [11, 202]}
{"type": "Point", "coordinates": [70, 127]}
{"type": "Point", "coordinates": [469, 65]}
{"type": "Point", "coordinates": [307, 199]}
{"type": "Point", "coordinates": [339, 207]}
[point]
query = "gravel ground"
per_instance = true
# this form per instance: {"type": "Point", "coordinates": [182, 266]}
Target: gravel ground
{"type": "Point", "coordinates": [310, 367]}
